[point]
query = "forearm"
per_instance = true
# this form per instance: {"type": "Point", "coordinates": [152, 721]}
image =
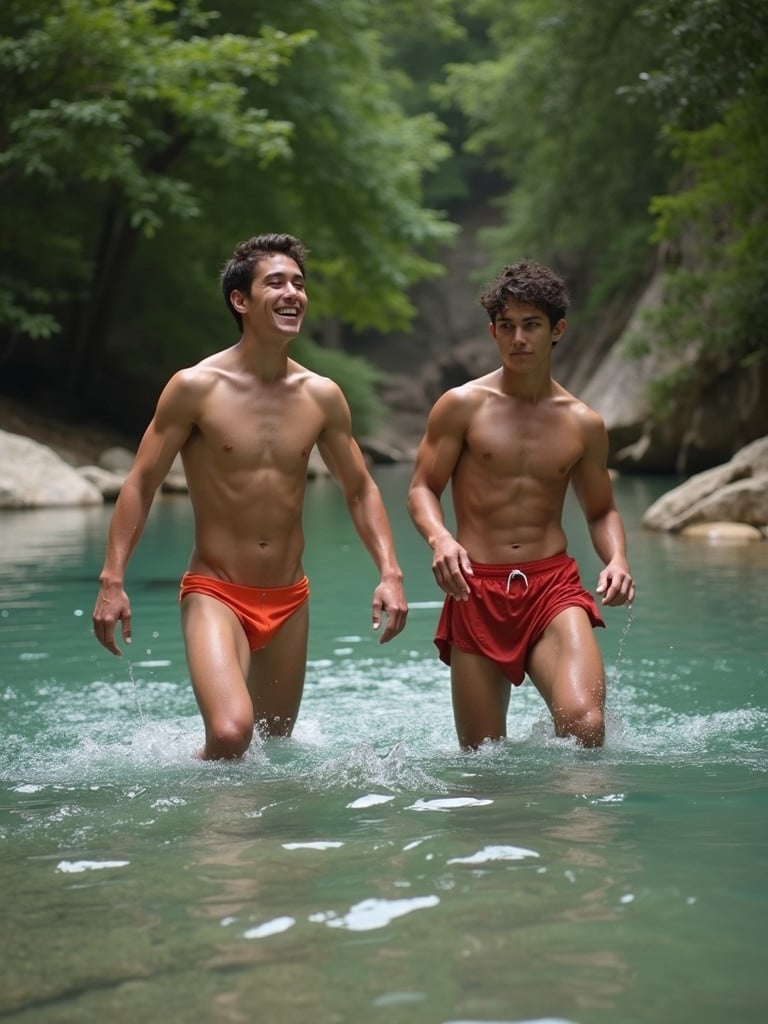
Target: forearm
{"type": "Point", "coordinates": [427, 515]}
{"type": "Point", "coordinates": [371, 523]}
{"type": "Point", "coordinates": [608, 538]}
{"type": "Point", "coordinates": [125, 529]}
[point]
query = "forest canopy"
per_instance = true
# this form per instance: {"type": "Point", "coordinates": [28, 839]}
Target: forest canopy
{"type": "Point", "coordinates": [142, 138]}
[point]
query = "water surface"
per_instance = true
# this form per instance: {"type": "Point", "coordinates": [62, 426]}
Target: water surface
{"type": "Point", "coordinates": [365, 870]}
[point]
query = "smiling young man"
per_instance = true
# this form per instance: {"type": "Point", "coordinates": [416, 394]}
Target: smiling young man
{"type": "Point", "coordinates": [510, 443]}
{"type": "Point", "coordinates": [245, 421]}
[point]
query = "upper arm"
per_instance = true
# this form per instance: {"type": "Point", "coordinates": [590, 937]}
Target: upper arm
{"type": "Point", "coordinates": [591, 480]}
{"type": "Point", "coordinates": [338, 448]}
{"type": "Point", "coordinates": [442, 444]}
{"type": "Point", "coordinates": [167, 432]}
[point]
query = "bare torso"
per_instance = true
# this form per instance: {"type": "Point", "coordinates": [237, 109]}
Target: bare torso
{"type": "Point", "coordinates": [246, 466]}
{"type": "Point", "coordinates": [511, 478]}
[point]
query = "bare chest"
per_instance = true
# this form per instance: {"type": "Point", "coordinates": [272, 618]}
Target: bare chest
{"type": "Point", "coordinates": [527, 441]}
{"type": "Point", "coordinates": [256, 430]}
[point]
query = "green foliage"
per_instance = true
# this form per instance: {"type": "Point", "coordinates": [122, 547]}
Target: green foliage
{"type": "Point", "coordinates": [664, 391]}
{"type": "Point", "coordinates": [353, 186]}
{"type": "Point", "coordinates": [356, 377]}
{"type": "Point", "coordinates": [99, 101]}
{"type": "Point", "coordinates": [716, 218]}
{"type": "Point", "coordinates": [579, 157]}
{"type": "Point", "coordinates": [621, 125]}
{"type": "Point", "coordinates": [154, 133]}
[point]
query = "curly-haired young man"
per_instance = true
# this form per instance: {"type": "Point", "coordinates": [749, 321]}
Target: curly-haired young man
{"type": "Point", "coordinates": [510, 443]}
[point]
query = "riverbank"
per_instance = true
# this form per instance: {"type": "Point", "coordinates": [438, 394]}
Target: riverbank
{"type": "Point", "coordinates": [77, 443]}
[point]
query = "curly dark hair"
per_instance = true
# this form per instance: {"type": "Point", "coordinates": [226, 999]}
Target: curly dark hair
{"type": "Point", "coordinates": [526, 281]}
{"type": "Point", "coordinates": [237, 273]}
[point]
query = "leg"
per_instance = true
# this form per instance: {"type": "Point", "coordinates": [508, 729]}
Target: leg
{"type": "Point", "coordinates": [218, 655]}
{"type": "Point", "coordinates": [276, 676]}
{"type": "Point", "coordinates": [480, 699]}
{"type": "Point", "coordinates": [567, 669]}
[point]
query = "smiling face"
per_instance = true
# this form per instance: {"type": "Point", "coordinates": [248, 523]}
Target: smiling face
{"type": "Point", "coordinates": [277, 299]}
{"type": "Point", "coordinates": [524, 336]}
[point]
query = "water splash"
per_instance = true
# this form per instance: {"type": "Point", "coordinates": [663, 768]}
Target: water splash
{"type": "Point", "coordinates": [617, 665]}
{"type": "Point", "coordinates": [132, 678]}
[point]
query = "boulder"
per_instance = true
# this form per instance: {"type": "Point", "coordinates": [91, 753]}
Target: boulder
{"type": "Point", "coordinates": [735, 492]}
{"type": "Point", "coordinates": [723, 533]}
{"type": "Point", "coordinates": [108, 483]}
{"type": "Point", "coordinates": [117, 460]}
{"type": "Point", "coordinates": [33, 476]}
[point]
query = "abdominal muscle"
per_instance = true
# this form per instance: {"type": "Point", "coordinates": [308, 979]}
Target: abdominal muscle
{"type": "Point", "coordinates": [249, 534]}
{"type": "Point", "coordinates": [512, 522]}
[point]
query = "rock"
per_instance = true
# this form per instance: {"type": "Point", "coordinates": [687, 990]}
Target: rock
{"type": "Point", "coordinates": [117, 460]}
{"type": "Point", "coordinates": [108, 483]}
{"type": "Point", "coordinates": [723, 532]}
{"type": "Point", "coordinates": [33, 476]}
{"type": "Point", "coordinates": [734, 492]}
{"type": "Point", "coordinates": [380, 452]}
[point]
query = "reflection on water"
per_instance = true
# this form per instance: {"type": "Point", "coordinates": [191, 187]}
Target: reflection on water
{"type": "Point", "coordinates": [365, 869]}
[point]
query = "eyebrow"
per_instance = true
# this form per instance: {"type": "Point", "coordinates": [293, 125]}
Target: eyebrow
{"type": "Point", "coordinates": [526, 319]}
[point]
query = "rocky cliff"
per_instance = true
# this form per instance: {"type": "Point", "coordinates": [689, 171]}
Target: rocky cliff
{"type": "Point", "coordinates": [721, 407]}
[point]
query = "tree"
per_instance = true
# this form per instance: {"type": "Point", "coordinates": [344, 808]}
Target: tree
{"type": "Point", "coordinates": [132, 123]}
{"type": "Point", "coordinates": [711, 87]}
{"type": "Point", "coordinates": [550, 110]}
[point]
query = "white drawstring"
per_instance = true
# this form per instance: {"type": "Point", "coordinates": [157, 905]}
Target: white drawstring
{"type": "Point", "coordinates": [515, 574]}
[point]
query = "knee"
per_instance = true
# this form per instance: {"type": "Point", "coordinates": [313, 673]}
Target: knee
{"type": "Point", "coordinates": [228, 738]}
{"type": "Point", "coordinates": [585, 724]}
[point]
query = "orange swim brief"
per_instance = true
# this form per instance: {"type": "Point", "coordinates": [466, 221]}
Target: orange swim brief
{"type": "Point", "coordinates": [261, 610]}
{"type": "Point", "coordinates": [508, 609]}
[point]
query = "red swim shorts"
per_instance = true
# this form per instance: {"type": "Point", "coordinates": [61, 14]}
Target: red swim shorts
{"type": "Point", "coordinates": [261, 610]}
{"type": "Point", "coordinates": [508, 609]}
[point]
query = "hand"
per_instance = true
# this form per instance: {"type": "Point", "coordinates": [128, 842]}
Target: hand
{"type": "Point", "coordinates": [451, 566]}
{"type": "Point", "coordinates": [112, 606]}
{"type": "Point", "coordinates": [389, 598]}
{"type": "Point", "coordinates": [616, 584]}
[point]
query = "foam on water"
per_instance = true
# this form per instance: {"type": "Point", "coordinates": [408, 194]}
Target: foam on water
{"type": "Point", "coordinates": [370, 725]}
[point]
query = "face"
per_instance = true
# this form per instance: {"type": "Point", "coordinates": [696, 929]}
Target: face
{"type": "Point", "coordinates": [277, 300]}
{"type": "Point", "coordinates": [524, 335]}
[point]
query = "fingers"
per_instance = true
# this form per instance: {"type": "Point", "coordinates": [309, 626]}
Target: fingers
{"type": "Point", "coordinates": [451, 573]}
{"type": "Point", "coordinates": [617, 588]}
{"type": "Point", "coordinates": [106, 616]}
{"type": "Point", "coordinates": [395, 608]}
{"type": "Point", "coordinates": [105, 634]}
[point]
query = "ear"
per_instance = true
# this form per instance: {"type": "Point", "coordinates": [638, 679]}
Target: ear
{"type": "Point", "coordinates": [558, 331]}
{"type": "Point", "coordinates": [238, 301]}
{"type": "Point", "coordinates": [492, 330]}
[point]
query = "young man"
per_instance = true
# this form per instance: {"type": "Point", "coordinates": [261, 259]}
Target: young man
{"type": "Point", "coordinates": [510, 442]}
{"type": "Point", "coordinates": [245, 420]}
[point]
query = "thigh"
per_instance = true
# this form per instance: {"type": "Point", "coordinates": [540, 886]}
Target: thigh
{"type": "Point", "coordinates": [276, 676]}
{"type": "Point", "coordinates": [566, 665]}
{"type": "Point", "coordinates": [217, 656]}
{"type": "Point", "coordinates": [480, 698]}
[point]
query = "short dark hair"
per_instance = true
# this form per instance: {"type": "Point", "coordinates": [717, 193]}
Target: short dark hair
{"type": "Point", "coordinates": [238, 271]}
{"type": "Point", "coordinates": [527, 281]}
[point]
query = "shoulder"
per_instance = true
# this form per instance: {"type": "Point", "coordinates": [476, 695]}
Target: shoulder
{"type": "Point", "coordinates": [462, 401]}
{"type": "Point", "coordinates": [190, 386]}
{"type": "Point", "coordinates": [586, 418]}
{"type": "Point", "coordinates": [322, 390]}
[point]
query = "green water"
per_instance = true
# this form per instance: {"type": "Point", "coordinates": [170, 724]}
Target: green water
{"type": "Point", "coordinates": [365, 870]}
